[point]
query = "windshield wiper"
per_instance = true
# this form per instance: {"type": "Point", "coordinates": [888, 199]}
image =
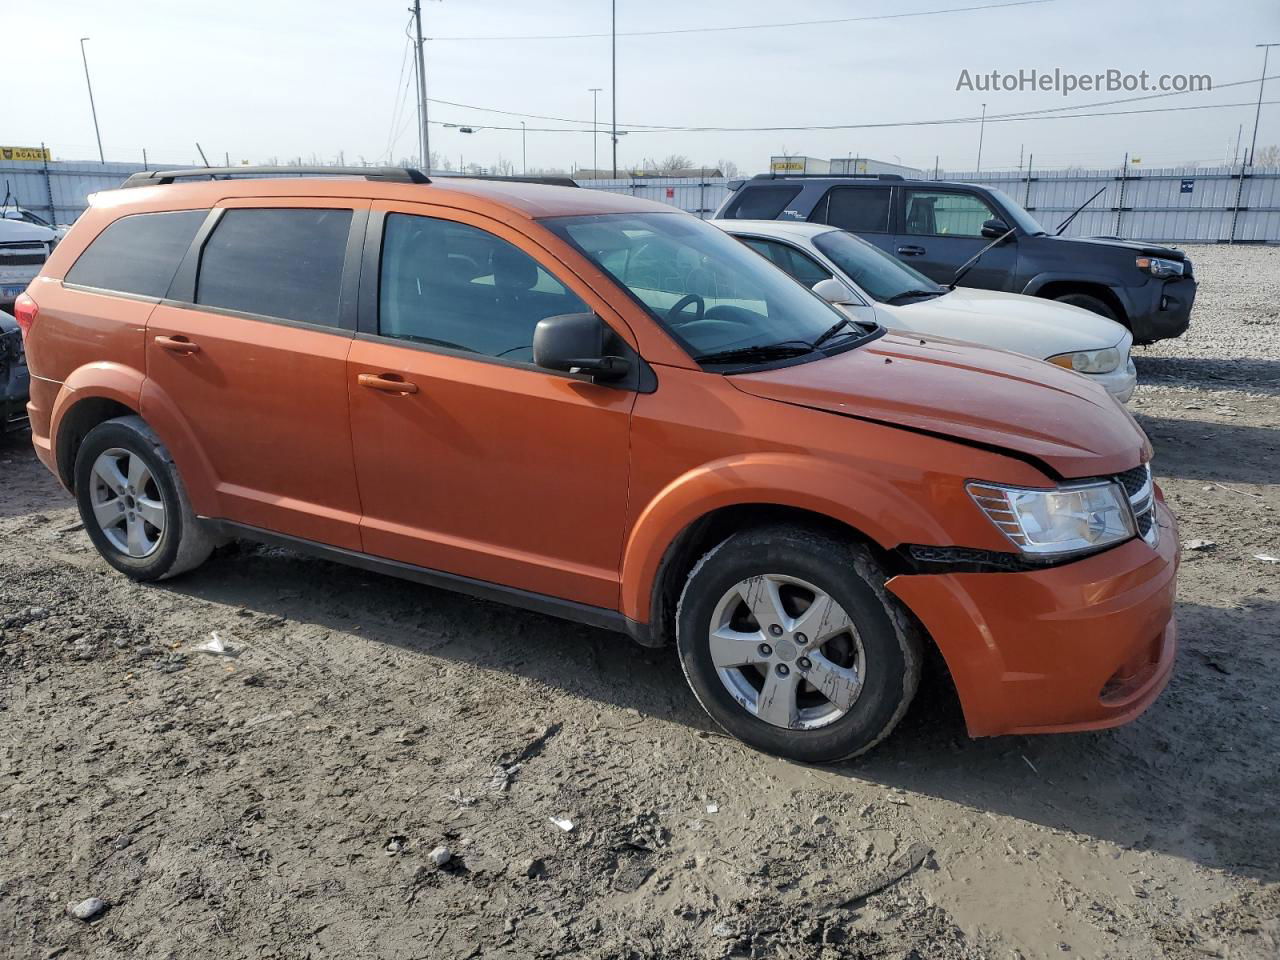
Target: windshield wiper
{"type": "Point", "coordinates": [762, 352]}
{"type": "Point", "coordinates": [914, 293]}
{"type": "Point", "coordinates": [832, 330]}
{"type": "Point", "coordinates": [1075, 213]}
{"type": "Point", "coordinates": [968, 264]}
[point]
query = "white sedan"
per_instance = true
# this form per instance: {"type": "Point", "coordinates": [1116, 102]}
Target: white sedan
{"type": "Point", "coordinates": [868, 284]}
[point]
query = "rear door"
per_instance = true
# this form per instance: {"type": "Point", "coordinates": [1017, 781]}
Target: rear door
{"type": "Point", "coordinates": [470, 459]}
{"type": "Point", "coordinates": [249, 353]}
{"type": "Point", "coordinates": [942, 228]}
{"type": "Point", "coordinates": [862, 210]}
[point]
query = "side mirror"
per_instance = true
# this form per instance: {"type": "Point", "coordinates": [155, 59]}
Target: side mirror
{"type": "Point", "coordinates": [995, 227]}
{"type": "Point", "coordinates": [575, 343]}
{"type": "Point", "coordinates": [833, 291]}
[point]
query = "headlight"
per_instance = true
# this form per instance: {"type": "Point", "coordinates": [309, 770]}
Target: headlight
{"type": "Point", "coordinates": [1089, 361]}
{"type": "Point", "coordinates": [1160, 268]}
{"type": "Point", "coordinates": [1053, 523]}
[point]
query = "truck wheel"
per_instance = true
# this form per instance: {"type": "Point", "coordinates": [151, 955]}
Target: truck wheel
{"type": "Point", "coordinates": [133, 504]}
{"type": "Point", "coordinates": [1090, 303]}
{"type": "Point", "coordinates": [791, 643]}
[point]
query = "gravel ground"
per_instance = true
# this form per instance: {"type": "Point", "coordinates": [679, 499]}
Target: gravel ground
{"type": "Point", "coordinates": [287, 796]}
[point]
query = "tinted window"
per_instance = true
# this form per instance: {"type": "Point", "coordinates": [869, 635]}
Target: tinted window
{"type": "Point", "coordinates": [763, 202]}
{"type": "Point", "coordinates": [804, 268]}
{"type": "Point", "coordinates": [283, 263]}
{"type": "Point", "coordinates": [454, 285]}
{"type": "Point", "coordinates": [882, 276]}
{"type": "Point", "coordinates": [856, 209]}
{"type": "Point", "coordinates": [938, 213]}
{"type": "Point", "coordinates": [138, 254]}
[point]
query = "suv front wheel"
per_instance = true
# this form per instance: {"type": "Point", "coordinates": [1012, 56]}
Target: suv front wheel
{"type": "Point", "coordinates": [133, 503]}
{"type": "Point", "coordinates": [791, 643]}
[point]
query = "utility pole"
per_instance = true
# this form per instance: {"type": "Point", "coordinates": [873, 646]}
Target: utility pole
{"type": "Point", "coordinates": [1262, 82]}
{"type": "Point", "coordinates": [614, 91]}
{"type": "Point", "coordinates": [982, 129]}
{"type": "Point", "coordinates": [1236, 155]}
{"type": "Point", "coordinates": [424, 138]}
{"type": "Point", "coordinates": [88, 83]}
{"type": "Point", "coordinates": [595, 160]}
{"type": "Point", "coordinates": [524, 155]}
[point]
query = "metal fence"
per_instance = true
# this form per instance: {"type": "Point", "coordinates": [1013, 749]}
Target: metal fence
{"type": "Point", "coordinates": [1181, 204]}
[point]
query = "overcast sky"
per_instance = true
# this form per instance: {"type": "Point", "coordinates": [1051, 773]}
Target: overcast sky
{"type": "Point", "coordinates": [284, 78]}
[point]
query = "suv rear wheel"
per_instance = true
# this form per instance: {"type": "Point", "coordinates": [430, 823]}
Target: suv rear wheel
{"type": "Point", "coordinates": [133, 503]}
{"type": "Point", "coordinates": [791, 643]}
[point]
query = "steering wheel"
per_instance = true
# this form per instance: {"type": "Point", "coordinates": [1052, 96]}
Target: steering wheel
{"type": "Point", "coordinates": [683, 302]}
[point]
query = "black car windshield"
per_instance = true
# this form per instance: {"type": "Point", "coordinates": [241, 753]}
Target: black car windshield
{"type": "Point", "coordinates": [1021, 219]}
{"type": "Point", "coordinates": [882, 276]}
{"type": "Point", "coordinates": [714, 294]}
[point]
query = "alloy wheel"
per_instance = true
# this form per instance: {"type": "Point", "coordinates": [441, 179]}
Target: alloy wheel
{"type": "Point", "coordinates": [787, 652]}
{"type": "Point", "coordinates": [127, 503]}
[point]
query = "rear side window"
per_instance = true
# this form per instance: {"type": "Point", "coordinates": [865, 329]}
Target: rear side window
{"type": "Point", "coordinates": [284, 263]}
{"type": "Point", "coordinates": [454, 285]}
{"type": "Point", "coordinates": [763, 202]}
{"type": "Point", "coordinates": [856, 209]}
{"type": "Point", "coordinates": [138, 254]}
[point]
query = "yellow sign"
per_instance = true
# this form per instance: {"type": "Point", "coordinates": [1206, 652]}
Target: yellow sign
{"type": "Point", "coordinates": [787, 166]}
{"type": "Point", "coordinates": [34, 154]}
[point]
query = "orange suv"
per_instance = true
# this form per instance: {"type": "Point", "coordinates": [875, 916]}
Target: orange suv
{"type": "Point", "coordinates": [607, 410]}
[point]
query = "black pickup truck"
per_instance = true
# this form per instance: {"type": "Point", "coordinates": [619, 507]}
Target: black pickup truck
{"type": "Point", "coordinates": [936, 226]}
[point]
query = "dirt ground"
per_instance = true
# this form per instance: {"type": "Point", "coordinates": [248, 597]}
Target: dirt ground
{"type": "Point", "coordinates": [283, 799]}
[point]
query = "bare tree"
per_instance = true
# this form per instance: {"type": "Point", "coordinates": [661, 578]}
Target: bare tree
{"type": "Point", "coordinates": [674, 162]}
{"type": "Point", "coordinates": [728, 168]}
{"type": "Point", "coordinates": [1268, 156]}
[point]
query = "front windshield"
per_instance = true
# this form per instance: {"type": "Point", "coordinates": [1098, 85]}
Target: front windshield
{"type": "Point", "coordinates": [883, 277]}
{"type": "Point", "coordinates": [1021, 219]}
{"type": "Point", "coordinates": [704, 286]}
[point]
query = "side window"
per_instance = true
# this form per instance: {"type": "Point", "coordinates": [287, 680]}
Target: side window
{"type": "Point", "coordinates": [282, 262]}
{"type": "Point", "coordinates": [856, 209]}
{"type": "Point", "coordinates": [457, 286]}
{"type": "Point", "coordinates": [804, 268]}
{"type": "Point", "coordinates": [763, 202]}
{"type": "Point", "coordinates": [138, 254]}
{"type": "Point", "coordinates": [941, 213]}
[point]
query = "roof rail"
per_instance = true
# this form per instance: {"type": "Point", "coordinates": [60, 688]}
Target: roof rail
{"type": "Point", "coordinates": [554, 181]}
{"type": "Point", "coordinates": [149, 178]}
{"type": "Point", "coordinates": [829, 176]}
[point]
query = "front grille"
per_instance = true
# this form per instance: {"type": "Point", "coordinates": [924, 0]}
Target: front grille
{"type": "Point", "coordinates": [22, 254]}
{"type": "Point", "coordinates": [1142, 500]}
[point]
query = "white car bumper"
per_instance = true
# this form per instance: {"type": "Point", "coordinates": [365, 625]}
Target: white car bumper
{"type": "Point", "coordinates": [1119, 382]}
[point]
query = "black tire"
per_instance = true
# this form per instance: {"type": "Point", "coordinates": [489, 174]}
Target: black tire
{"type": "Point", "coordinates": [890, 641]}
{"type": "Point", "coordinates": [183, 543]}
{"type": "Point", "coordinates": [1086, 302]}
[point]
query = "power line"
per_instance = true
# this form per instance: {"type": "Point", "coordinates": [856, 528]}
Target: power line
{"type": "Point", "coordinates": [1010, 118]}
{"type": "Point", "coordinates": [757, 26]}
{"type": "Point", "coordinates": [654, 127]}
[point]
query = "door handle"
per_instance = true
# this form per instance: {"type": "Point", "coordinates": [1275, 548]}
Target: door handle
{"type": "Point", "coordinates": [386, 383]}
{"type": "Point", "coordinates": [179, 344]}
{"type": "Point", "coordinates": [911, 251]}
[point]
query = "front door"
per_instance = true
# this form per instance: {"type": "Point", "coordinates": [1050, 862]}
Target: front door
{"type": "Point", "coordinates": [470, 459]}
{"type": "Point", "coordinates": [941, 229]}
{"type": "Point", "coordinates": [255, 364]}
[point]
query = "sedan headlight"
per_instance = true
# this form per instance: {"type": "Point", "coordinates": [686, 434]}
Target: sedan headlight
{"type": "Point", "coordinates": [1158, 267]}
{"type": "Point", "coordinates": [1053, 523]}
{"type": "Point", "coordinates": [1090, 361]}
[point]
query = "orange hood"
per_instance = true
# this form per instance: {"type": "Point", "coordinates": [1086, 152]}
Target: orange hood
{"type": "Point", "coordinates": [975, 394]}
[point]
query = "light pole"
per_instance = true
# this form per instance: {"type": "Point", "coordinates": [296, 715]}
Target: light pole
{"type": "Point", "coordinates": [1266, 52]}
{"type": "Point", "coordinates": [424, 138]}
{"type": "Point", "coordinates": [982, 129]}
{"type": "Point", "coordinates": [524, 156]}
{"type": "Point", "coordinates": [614, 91]}
{"type": "Point", "coordinates": [92, 108]}
{"type": "Point", "coordinates": [595, 161]}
